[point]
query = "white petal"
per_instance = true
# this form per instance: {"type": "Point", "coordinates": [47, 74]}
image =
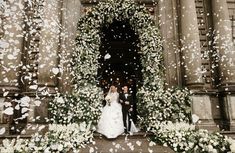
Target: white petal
{"type": "Point", "coordinates": [25, 99]}
{"type": "Point", "coordinates": [41, 127]}
{"type": "Point", "coordinates": [5, 80]}
{"type": "Point", "coordinates": [55, 70]}
{"type": "Point", "coordinates": [11, 57]}
{"type": "Point", "coordinates": [138, 143]}
{"type": "Point", "coordinates": [5, 93]}
{"type": "Point", "coordinates": [2, 131]}
{"type": "Point", "coordinates": [195, 118]}
{"type": "Point", "coordinates": [34, 87]}
{"type": "Point", "coordinates": [37, 102]}
{"type": "Point", "coordinates": [91, 150]}
{"type": "Point", "coordinates": [23, 110]}
{"type": "Point", "coordinates": [17, 107]}
{"type": "Point", "coordinates": [9, 111]}
{"type": "Point", "coordinates": [107, 56]}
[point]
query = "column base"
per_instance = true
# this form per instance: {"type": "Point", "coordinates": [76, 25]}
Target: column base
{"type": "Point", "coordinates": [229, 111]}
{"type": "Point", "coordinates": [203, 106]}
{"type": "Point", "coordinates": [32, 128]}
{"type": "Point", "coordinates": [209, 125]}
{"type": "Point", "coordinates": [231, 126]}
{"type": "Point", "coordinates": [227, 87]}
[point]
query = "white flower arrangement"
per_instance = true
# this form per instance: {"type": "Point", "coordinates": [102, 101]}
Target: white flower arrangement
{"type": "Point", "coordinates": [73, 108]}
{"type": "Point", "coordinates": [183, 137]}
{"type": "Point", "coordinates": [173, 104]}
{"type": "Point", "coordinates": [59, 138]}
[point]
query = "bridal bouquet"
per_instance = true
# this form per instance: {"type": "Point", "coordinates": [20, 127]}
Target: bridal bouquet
{"type": "Point", "coordinates": [108, 99]}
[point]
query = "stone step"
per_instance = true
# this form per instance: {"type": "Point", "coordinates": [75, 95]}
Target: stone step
{"type": "Point", "coordinates": [13, 137]}
{"type": "Point", "coordinates": [136, 143]}
{"type": "Point", "coordinates": [228, 133]}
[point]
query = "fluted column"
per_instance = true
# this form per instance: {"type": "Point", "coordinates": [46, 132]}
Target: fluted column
{"type": "Point", "coordinates": [226, 52]}
{"type": "Point", "coordinates": [169, 30]}
{"type": "Point", "coordinates": [49, 45]}
{"type": "Point", "coordinates": [190, 44]}
{"type": "Point", "coordinates": [11, 46]}
{"type": "Point", "coordinates": [70, 15]}
{"type": "Point", "coordinates": [191, 55]}
{"type": "Point", "coordinates": [48, 60]}
{"type": "Point", "coordinates": [223, 42]}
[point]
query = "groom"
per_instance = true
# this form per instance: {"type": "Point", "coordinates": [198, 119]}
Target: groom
{"type": "Point", "coordinates": [126, 100]}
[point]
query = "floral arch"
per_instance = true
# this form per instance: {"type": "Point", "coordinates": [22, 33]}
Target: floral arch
{"type": "Point", "coordinates": [74, 114]}
{"type": "Point", "coordinates": [155, 104]}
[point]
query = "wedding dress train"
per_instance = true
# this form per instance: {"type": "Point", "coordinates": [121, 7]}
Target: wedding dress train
{"type": "Point", "coordinates": [111, 123]}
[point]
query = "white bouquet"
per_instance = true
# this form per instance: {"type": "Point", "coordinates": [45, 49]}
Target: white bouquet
{"type": "Point", "coordinates": [108, 99]}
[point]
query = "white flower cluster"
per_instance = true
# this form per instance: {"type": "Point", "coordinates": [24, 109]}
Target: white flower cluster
{"type": "Point", "coordinates": [59, 138]}
{"type": "Point", "coordinates": [156, 106]}
{"type": "Point", "coordinates": [183, 137]}
{"type": "Point", "coordinates": [82, 106]}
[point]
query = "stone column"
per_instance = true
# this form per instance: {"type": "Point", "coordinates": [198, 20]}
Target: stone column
{"type": "Point", "coordinates": [167, 14]}
{"type": "Point", "coordinates": [191, 56]}
{"type": "Point", "coordinates": [49, 45]}
{"type": "Point", "coordinates": [47, 61]}
{"type": "Point", "coordinates": [224, 43]}
{"type": "Point", "coordinates": [71, 13]}
{"type": "Point", "coordinates": [226, 52]}
{"type": "Point", "coordinates": [190, 44]}
{"type": "Point", "coordinates": [11, 45]}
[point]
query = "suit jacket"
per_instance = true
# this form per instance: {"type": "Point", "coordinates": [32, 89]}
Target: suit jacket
{"type": "Point", "coordinates": [123, 98]}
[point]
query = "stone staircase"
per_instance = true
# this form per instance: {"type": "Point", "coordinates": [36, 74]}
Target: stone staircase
{"type": "Point", "coordinates": [136, 143]}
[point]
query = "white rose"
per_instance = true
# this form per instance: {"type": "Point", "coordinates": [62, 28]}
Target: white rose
{"type": "Point", "coordinates": [60, 100]}
{"type": "Point", "coordinates": [60, 147]}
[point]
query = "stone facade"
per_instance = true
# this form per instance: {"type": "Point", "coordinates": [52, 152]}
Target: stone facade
{"type": "Point", "coordinates": [198, 36]}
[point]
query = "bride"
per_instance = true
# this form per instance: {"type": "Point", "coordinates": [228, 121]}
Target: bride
{"type": "Point", "coordinates": [111, 120]}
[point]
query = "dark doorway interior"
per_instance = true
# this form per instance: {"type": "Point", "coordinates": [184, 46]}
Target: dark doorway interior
{"type": "Point", "coordinates": [119, 61]}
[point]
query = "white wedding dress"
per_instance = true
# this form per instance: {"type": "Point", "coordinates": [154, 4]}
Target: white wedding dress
{"type": "Point", "coordinates": [111, 121]}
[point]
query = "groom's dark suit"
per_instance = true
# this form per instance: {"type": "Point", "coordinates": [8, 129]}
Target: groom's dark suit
{"type": "Point", "coordinates": [126, 108]}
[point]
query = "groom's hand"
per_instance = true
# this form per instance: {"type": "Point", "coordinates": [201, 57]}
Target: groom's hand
{"type": "Point", "coordinates": [127, 102]}
{"type": "Point", "coordinates": [131, 109]}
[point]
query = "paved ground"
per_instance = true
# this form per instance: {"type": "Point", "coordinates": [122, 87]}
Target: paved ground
{"type": "Point", "coordinates": [125, 144]}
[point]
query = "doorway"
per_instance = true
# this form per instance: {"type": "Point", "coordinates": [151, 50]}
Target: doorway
{"type": "Point", "coordinates": [119, 61]}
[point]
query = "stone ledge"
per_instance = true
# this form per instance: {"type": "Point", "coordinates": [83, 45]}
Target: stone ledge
{"type": "Point", "coordinates": [228, 133]}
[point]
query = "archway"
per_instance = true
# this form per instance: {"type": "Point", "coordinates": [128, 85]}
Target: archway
{"type": "Point", "coordinates": [119, 61]}
{"type": "Point", "coordinates": [87, 57]}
